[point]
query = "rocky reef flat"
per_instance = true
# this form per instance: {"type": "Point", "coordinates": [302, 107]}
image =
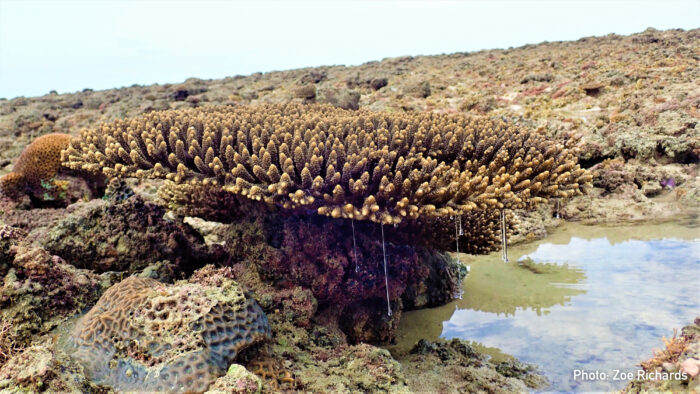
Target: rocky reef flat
{"type": "Point", "coordinates": [627, 106]}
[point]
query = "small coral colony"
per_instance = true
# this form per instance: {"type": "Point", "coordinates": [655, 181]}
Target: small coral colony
{"type": "Point", "coordinates": [318, 174]}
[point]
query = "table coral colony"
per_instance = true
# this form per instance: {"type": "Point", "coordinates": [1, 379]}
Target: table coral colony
{"type": "Point", "coordinates": [359, 170]}
{"type": "Point", "coordinates": [360, 165]}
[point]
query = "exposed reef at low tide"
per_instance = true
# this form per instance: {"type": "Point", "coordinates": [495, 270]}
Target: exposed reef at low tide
{"type": "Point", "coordinates": [630, 119]}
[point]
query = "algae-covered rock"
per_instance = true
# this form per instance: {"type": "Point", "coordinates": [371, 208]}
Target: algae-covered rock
{"type": "Point", "coordinates": [350, 369]}
{"type": "Point", "coordinates": [124, 236]}
{"type": "Point", "coordinates": [9, 236]}
{"type": "Point", "coordinates": [312, 263]}
{"type": "Point", "coordinates": [41, 369]}
{"type": "Point", "coordinates": [418, 89]}
{"type": "Point", "coordinates": [339, 97]}
{"type": "Point", "coordinates": [163, 271]}
{"type": "Point", "coordinates": [39, 290]}
{"type": "Point", "coordinates": [346, 274]}
{"type": "Point", "coordinates": [370, 321]}
{"type": "Point", "coordinates": [295, 304]}
{"type": "Point", "coordinates": [440, 286]}
{"type": "Point", "coordinates": [144, 335]}
{"type": "Point", "coordinates": [237, 380]}
{"type": "Point", "coordinates": [456, 366]}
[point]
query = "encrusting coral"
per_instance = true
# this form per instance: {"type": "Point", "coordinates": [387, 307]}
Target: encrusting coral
{"type": "Point", "coordinates": [36, 167]}
{"type": "Point", "coordinates": [355, 165]}
{"type": "Point", "coordinates": [144, 335]}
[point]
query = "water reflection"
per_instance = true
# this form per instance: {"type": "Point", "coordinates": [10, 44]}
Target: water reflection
{"type": "Point", "coordinates": [525, 285]}
{"type": "Point", "coordinates": [592, 298]}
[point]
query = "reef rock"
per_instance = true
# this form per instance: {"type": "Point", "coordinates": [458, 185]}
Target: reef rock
{"type": "Point", "coordinates": [284, 257]}
{"type": "Point", "coordinates": [680, 360]}
{"type": "Point", "coordinates": [38, 290]}
{"type": "Point", "coordinates": [124, 236]}
{"type": "Point", "coordinates": [458, 367]}
{"type": "Point", "coordinates": [350, 369]}
{"type": "Point", "coordinates": [41, 369]}
{"type": "Point", "coordinates": [237, 380]}
{"type": "Point", "coordinates": [144, 335]}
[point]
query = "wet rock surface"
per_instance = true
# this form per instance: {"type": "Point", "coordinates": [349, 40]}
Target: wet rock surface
{"type": "Point", "coordinates": [313, 261]}
{"type": "Point", "coordinates": [39, 368]}
{"type": "Point", "coordinates": [463, 369]}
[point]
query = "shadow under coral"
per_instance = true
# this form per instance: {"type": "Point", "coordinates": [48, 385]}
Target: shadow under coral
{"type": "Point", "coordinates": [340, 262]}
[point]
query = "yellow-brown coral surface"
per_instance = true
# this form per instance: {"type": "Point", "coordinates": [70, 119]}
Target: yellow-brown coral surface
{"type": "Point", "coordinates": [39, 162]}
{"type": "Point", "coordinates": [339, 163]}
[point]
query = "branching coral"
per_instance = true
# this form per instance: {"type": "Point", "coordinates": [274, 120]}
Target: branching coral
{"type": "Point", "coordinates": [206, 201]}
{"type": "Point", "coordinates": [359, 165]}
{"type": "Point", "coordinates": [37, 166]}
{"type": "Point", "coordinates": [8, 344]}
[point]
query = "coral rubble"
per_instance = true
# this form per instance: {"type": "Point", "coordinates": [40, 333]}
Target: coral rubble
{"type": "Point", "coordinates": [238, 380]}
{"type": "Point", "coordinates": [465, 370]}
{"type": "Point", "coordinates": [40, 368]}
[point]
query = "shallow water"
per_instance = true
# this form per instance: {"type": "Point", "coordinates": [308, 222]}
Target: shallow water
{"type": "Point", "coordinates": [587, 298]}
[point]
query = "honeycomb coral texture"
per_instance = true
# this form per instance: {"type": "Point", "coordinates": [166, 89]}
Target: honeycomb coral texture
{"type": "Point", "coordinates": [144, 335]}
{"type": "Point", "coordinates": [39, 162]}
{"type": "Point", "coordinates": [360, 165]}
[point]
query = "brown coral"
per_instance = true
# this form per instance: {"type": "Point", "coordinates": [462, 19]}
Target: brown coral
{"type": "Point", "coordinates": [144, 335]}
{"type": "Point", "coordinates": [359, 165]}
{"type": "Point", "coordinates": [204, 201]}
{"type": "Point", "coordinates": [36, 166]}
{"type": "Point", "coordinates": [272, 373]}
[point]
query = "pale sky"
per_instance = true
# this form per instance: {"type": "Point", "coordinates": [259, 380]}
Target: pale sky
{"type": "Point", "coordinates": [71, 45]}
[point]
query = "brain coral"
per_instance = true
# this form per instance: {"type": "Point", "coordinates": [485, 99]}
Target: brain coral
{"type": "Point", "coordinates": [360, 165]}
{"type": "Point", "coordinates": [37, 165]}
{"type": "Point", "coordinates": [144, 335]}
